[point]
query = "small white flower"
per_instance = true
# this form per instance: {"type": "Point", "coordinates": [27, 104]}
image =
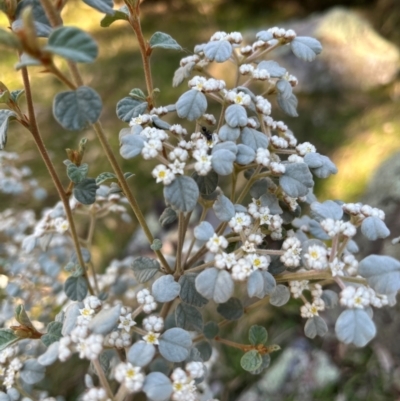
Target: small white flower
{"type": "Point", "coordinates": [305, 147]}
{"type": "Point", "coordinates": [353, 297]}
{"type": "Point", "coordinates": [126, 322]}
{"type": "Point", "coordinates": [216, 243]}
{"type": "Point", "coordinates": [248, 247]}
{"type": "Point", "coordinates": [130, 375]}
{"type": "Point", "coordinates": [177, 167]}
{"type": "Point", "coordinates": [203, 164]}
{"type": "Point", "coordinates": [92, 302]}
{"type": "Point", "coordinates": [238, 98]}
{"type": "Point", "coordinates": [239, 221]}
{"type": "Point", "coordinates": [336, 267]}
{"type": "Point", "coordinates": [151, 338]}
{"type": "Point", "coordinates": [87, 313]}
{"type": "Point", "coordinates": [308, 310]}
{"type": "Point", "coordinates": [220, 35]}
{"type": "Point", "coordinates": [162, 174]}
{"type": "Point", "coordinates": [61, 225]}
{"type": "Point", "coordinates": [316, 257]}
{"type": "Point", "coordinates": [259, 261]}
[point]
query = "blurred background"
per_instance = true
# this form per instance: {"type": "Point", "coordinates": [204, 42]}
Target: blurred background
{"type": "Point", "coordinates": [349, 108]}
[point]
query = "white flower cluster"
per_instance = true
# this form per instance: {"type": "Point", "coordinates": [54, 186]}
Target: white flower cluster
{"type": "Point", "coordinates": [10, 365]}
{"type": "Point", "coordinates": [309, 310]}
{"type": "Point", "coordinates": [361, 297]}
{"type": "Point", "coordinates": [304, 148]}
{"type": "Point", "coordinates": [335, 227]}
{"type": "Point", "coordinates": [206, 85]}
{"type": "Point", "coordinates": [233, 37]}
{"type": "Point", "coordinates": [238, 98]}
{"type": "Point", "coordinates": [131, 376]}
{"type": "Point", "coordinates": [189, 59]}
{"type": "Point", "coordinates": [183, 382]}
{"type": "Point", "coordinates": [297, 287]}
{"type": "Point", "coordinates": [147, 300]}
{"type": "Point", "coordinates": [292, 252]}
{"type": "Point", "coordinates": [361, 211]}
{"type": "Point", "coordinates": [153, 323]}
{"type": "Point", "coordinates": [80, 339]}
{"type": "Point", "coordinates": [263, 105]}
{"type": "Point", "coordinates": [141, 119]}
{"type": "Point", "coordinates": [281, 33]}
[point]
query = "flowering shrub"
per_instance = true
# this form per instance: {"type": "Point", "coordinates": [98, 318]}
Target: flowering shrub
{"type": "Point", "coordinates": [241, 168]}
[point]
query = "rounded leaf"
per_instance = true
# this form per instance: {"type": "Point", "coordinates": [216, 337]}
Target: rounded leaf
{"type": "Point", "coordinates": [165, 289]}
{"type": "Point", "coordinates": [305, 48]}
{"type": "Point", "coordinates": [131, 146]}
{"type": "Point", "coordinates": [280, 296]}
{"type": "Point", "coordinates": [145, 268]}
{"type": "Point", "coordinates": [231, 309]}
{"type": "Point", "coordinates": [224, 208]}
{"type": "Point", "coordinates": [163, 40]}
{"type": "Point", "coordinates": [222, 161]}
{"type": "Point", "coordinates": [215, 284]}
{"type": "Point", "coordinates": [76, 288]}
{"type": "Point", "coordinates": [315, 326]}
{"type": "Point", "coordinates": [85, 191]}
{"type": "Point", "coordinates": [104, 6]}
{"type": "Point", "coordinates": [106, 320]}
{"type": "Point", "coordinates": [50, 356]}
{"type": "Point", "coordinates": [254, 139]}
{"type": "Point", "coordinates": [236, 116]}
{"type": "Point", "coordinates": [188, 293]}
{"type": "Point", "coordinates": [355, 326]}
{"type": "Point", "coordinates": [32, 372]}
{"type": "Point", "coordinates": [141, 353]}
{"type": "Point", "coordinates": [73, 44]}
{"type": "Point", "coordinates": [128, 108]}
{"type": "Point", "coordinates": [182, 193]}
{"type": "Point", "coordinates": [274, 69]}
{"type": "Point", "coordinates": [204, 231]}
{"type": "Point", "coordinates": [251, 360]}
{"type": "Point", "coordinates": [188, 317]}
{"type": "Point", "coordinates": [227, 133]}
{"type": "Point", "coordinates": [157, 386]}
{"type": "Point", "coordinates": [191, 105]}
{"type": "Point", "coordinates": [258, 335]}
{"type": "Point", "coordinates": [174, 344]}
{"type": "Point", "coordinates": [219, 50]}
{"type": "Point", "coordinates": [296, 180]}
{"type": "Point", "coordinates": [75, 109]}
{"type": "Point", "coordinates": [382, 273]}
{"type": "Point", "coordinates": [288, 104]}
{"type": "Point", "coordinates": [373, 228]}
{"type": "Point", "coordinates": [207, 183]}
{"type": "Point", "coordinates": [245, 154]}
